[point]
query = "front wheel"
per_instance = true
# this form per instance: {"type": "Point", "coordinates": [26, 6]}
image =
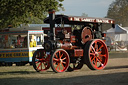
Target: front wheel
{"type": "Point", "coordinates": [59, 61]}
{"type": "Point", "coordinates": [40, 61]}
{"type": "Point", "coordinates": [96, 54]}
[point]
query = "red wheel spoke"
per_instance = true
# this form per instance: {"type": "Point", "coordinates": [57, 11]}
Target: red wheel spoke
{"type": "Point", "coordinates": [58, 66]}
{"type": "Point", "coordinates": [44, 65]}
{"type": "Point", "coordinates": [62, 65]}
{"type": "Point", "coordinates": [93, 49]}
{"type": "Point", "coordinates": [93, 59]}
{"type": "Point", "coordinates": [39, 65]}
{"type": "Point", "coordinates": [100, 47]}
{"type": "Point", "coordinates": [37, 62]}
{"type": "Point", "coordinates": [61, 56]}
{"type": "Point", "coordinates": [55, 59]}
{"type": "Point", "coordinates": [96, 62]}
{"type": "Point", "coordinates": [99, 52]}
{"type": "Point", "coordinates": [56, 56]}
{"type": "Point", "coordinates": [64, 58]}
{"type": "Point", "coordinates": [92, 54]}
{"type": "Point", "coordinates": [99, 59]}
{"type": "Point", "coordinates": [64, 62]}
{"type": "Point", "coordinates": [102, 55]}
{"type": "Point", "coordinates": [100, 62]}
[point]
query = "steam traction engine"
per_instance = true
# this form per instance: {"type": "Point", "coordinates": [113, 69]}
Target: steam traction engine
{"type": "Point", "coordinates": [69, 49]}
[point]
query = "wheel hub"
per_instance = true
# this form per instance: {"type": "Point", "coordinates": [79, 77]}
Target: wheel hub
{"type": "Point", "coordinates": [97, 54]}
{"type": "Point", "coordinates": [61, 60]}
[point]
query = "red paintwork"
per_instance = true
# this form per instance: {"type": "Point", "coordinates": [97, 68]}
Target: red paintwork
{"type": "Point", "coordinates": [78, 52]}
{"type": "Point", "coordinates": [86, 35]}
{"type": "Point", "coordinates": [73, 39]}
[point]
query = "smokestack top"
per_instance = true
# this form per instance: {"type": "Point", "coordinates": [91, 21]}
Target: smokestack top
{"type": "Point", "coordinates": [51, 11]}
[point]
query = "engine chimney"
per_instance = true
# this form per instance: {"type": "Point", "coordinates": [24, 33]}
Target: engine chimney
{"type": "Point", "coordinates": [52, 23]}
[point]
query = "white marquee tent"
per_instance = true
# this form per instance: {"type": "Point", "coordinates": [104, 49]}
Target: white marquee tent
{"type": "Point", "coordinates": [117, 36]}
{"type": "Point", "coordinates": [118, 33]}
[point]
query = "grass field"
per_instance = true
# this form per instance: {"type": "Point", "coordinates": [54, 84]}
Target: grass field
{"type": "Point", "coordinates": [115, 73]}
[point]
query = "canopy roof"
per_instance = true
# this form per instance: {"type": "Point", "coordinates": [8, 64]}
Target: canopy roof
{"type": "Point", "coordinates": [120, 30]}
{"type": "Point", "coordinates": [79, 20]}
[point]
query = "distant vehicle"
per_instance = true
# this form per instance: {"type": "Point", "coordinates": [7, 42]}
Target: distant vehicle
{"type": "Point", "coordinates": [17, 46]}
{"type": "Point", "coordinates": [116, 45]}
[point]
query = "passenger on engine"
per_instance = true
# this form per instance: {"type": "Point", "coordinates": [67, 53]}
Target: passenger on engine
{"type": "Point", "coordinates": [96, 31]}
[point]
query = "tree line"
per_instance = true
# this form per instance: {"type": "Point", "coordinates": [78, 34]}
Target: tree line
{"type": "Point", "coordinates": [118, 10]}
{"type": "Point", "coordinates": [15, 12]}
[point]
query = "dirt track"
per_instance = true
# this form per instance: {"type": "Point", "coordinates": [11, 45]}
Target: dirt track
{"type": "Point", "coordinates": [115, 73]}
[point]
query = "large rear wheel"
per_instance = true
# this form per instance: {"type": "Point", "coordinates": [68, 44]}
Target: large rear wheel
{"type": "Point", "coordinates": [40, 60]}
{"type": "Point", "coordinates": [96, 54]}
{"type": "Point", "coordinates": [59, 60]}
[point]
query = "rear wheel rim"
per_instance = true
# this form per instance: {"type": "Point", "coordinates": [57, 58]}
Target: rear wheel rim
{"type": "Point", "coordinates": [98, 54]}
{"type": "Point", "coordinates": [60, 61]}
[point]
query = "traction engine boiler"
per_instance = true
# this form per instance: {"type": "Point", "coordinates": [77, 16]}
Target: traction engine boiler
{"type": "Point", "coordinates": [70, 48]}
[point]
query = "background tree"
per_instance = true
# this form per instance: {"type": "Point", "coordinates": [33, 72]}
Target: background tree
{"type": "Point", "coordinates": [15, 12]}
{"type": "Point", "coordinates": [118, 10]}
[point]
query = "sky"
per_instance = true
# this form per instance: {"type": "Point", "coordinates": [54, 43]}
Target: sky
{"type": "Point", "coordinates": [94, 8]}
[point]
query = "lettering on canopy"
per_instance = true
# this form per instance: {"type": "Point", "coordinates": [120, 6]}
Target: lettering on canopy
{"type": "Point", "coordinates": [96, 20]}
